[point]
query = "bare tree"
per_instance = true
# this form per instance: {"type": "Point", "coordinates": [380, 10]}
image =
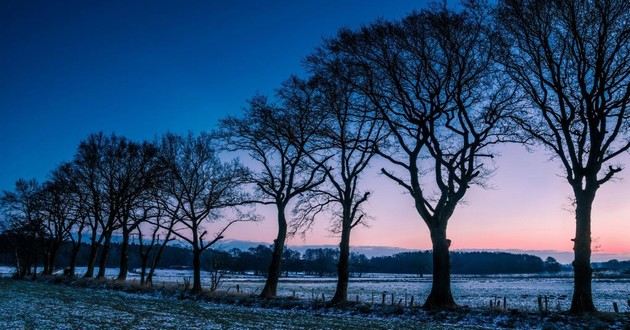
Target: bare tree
{"type": "Point", "coordinates": [431, 79]}
{"type": "Point", "coordinates": [275, 136]}
{"type": "Point", "coordinates": [571, 60]}
{"type": "Point", "coordinates": [198, 187]}
{"type": "Point", "coordinates": [155, 231]}
{"type": "Point", "coordinates": [90, 185]}
{"type": "Point", "coordinates": [344, 144]}
{"type": "Point", "coordinates": [21, 209]}
{"type": "Point", "coordinates": [80, 213]}
{"type": "Point", "coordinates": [139, 173]}
{"type": "Point", "coordinates": [57, 207]}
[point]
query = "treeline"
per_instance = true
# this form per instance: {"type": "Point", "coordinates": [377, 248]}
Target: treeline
{"type": "Point", "coordinates": [431, 95]}
{"type": "Point", "coordinates": [318, 262]}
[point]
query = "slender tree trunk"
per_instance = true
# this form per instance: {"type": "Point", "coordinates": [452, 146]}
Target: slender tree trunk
{"type": "Point", "coordinates": [46, 262]}
{"type": "Point", "coordinates": [124, 257]}
{"type": "Point", "coordinates": [440, 296]}
{"type": "Point", "coordinates": [273, 275]}
{"type": "Point", "coordinates": [582, 301]}
{"type": "Point", "coordinates": [52, 257]}
{"type": "Point", "coordinates": [73, 258]}
{"type": "Point", "coordinates": [102, 263]}
{"type": "Point", "coordinates": [92, 256]}
{"type": "Point", "coordinates": [143, 268]}
{"type": "Point", "coordinates": [18, 265]}
{"type": "Point", "coordinates": [343, 272]}
{"type": "Point", "coordinates": [196, 270]}
{"type": "Point", "coordinates": [156, 260]}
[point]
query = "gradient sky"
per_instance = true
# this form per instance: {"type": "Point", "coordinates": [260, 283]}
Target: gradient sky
{"type": "Point", "coordinates": [141, 68]}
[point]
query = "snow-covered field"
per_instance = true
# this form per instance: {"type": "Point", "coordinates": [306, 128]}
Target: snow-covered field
{"type": "Point", "coordinates": [520, 291]}
{"type": "Point", "coordinates": [36, 305]}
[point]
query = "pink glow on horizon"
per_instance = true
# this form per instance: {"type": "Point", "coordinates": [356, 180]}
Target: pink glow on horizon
{"type": "Point", "coordinates": [527, 207]}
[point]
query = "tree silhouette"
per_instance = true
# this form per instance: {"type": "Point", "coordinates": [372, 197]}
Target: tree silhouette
{"type": "Point", "coordinates": [344, 146]}
{"type": "Point", "coordinates": [432, 80]}
{"type": "Point", "coordinates": [571, 62]}
{"type": "Point", "coordinates": [198, 187]}
{"type": "Point", "coordinates": [23, 222]}
{"type": "Point", "coordinates": [276, 137]}
{"type": "Point", "coordinates": [58, 213]}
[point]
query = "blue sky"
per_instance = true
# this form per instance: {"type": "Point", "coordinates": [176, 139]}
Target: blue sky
{"type": "Point", "coordinates": [140, 68]}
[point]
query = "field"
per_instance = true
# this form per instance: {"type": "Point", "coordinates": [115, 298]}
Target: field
{"type": "Point", "coordinates": [44, 305]}
{"type": "Point", "coordinates": [521, 291]}
{"type": "Point", "coordinates": [35, 305]}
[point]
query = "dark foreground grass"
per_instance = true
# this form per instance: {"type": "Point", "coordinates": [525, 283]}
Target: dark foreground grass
{"type": "Point", "coordinates": [58, 303]}
{"type": "Point", "coordinates": [37, 305]}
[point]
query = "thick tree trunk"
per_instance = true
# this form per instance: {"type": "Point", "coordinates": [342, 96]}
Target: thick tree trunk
{"type": "Point", "coordinates": [124, 257]}
{"type": "Point", "coordinates": [102, 263]}
{"type": "Point", "coordinates": [196, 270]}
{"type": "Point", "coordinates": [440, 296]}
{"type": "Point", "coordinates": [273, 275]}
{"type": "Point", "coordinates": [343, 271]}
{"type": "Point", "coordinates": [582, 301]}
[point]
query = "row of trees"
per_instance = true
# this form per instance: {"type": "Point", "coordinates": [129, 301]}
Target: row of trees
{"type": "Point", "coordinates": [313, 261]}
{"type": "Point", "coordinates": [431, 94]}
{"type": "Point", "coordinates": [158, 191]}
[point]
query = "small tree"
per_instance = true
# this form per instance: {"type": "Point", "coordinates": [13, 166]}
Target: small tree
{"type": "Point", "coordinates": [198, 187]}
{"type": "Point", "coordinates": [23, 225]}
{"type": "Point", "coordinates": [276, 138]}
{"type": "Point", "coordinates": [58, 213]}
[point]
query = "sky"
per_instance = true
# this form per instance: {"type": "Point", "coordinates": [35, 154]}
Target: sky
{"type": "Point", "coordinates": [142, 68]}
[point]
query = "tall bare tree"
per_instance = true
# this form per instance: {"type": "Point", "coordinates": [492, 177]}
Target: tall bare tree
{"type": "Point", "coordinates": [139, 174]}
{"type": "Point", "coordinates": [431, 79]}
{"type": "Point", "coordinates": [571, 60]}
{"type": "Point", "coordinates": [275, 136]}
{"type": "Point", "coordinates": [90, 185]}
{"type": "Point", "coordinates": [344, 145]}
{"type": "Point", "coordinates": [198, 187]}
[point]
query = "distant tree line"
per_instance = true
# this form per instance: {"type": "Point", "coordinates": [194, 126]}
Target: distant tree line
{"type": "Point", "coordinates": [316, 262]}
{"type": "Point", "coordinates": [431, 95]}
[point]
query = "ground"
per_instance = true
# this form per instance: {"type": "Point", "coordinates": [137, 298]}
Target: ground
{"type": "Point", "coordinates": [36, 305]}
{"type": "Point", "coordinates": [61, 303]}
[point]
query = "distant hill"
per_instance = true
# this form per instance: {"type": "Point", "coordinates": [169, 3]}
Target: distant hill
{"type": "Point", "coordinates": [564, 257]}
{"type": "Point", "coordinates": [368, 251]}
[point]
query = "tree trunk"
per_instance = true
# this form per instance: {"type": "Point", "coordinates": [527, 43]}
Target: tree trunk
{"type": "Point", "coordinates": [440, 296]}
{"type": "Point", "coordinates": [102, 263]}
{"type": "Point", "coordinates": [52, 257]}
{"type": "Point", "coordinates": [155, 261]}
{"type": "Point", "coordinates": [582, 301]}
{"type": "Point", "coordinates": [343, 272]}
{"type": "Point", "coordinates": [273, 275]}
{"type": "Point", "coordinates": [196, 270]}
{"type": "Point", "coordinates": [46, 262]}
{"type": "Point", "coordinates": [92, 257]}
{"type": "Point", "coordinates": [143, 268]}
{"type": "Point", "coordinates": [73, 258]}
{"type": "Point", "coordinates": [124, 257]}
